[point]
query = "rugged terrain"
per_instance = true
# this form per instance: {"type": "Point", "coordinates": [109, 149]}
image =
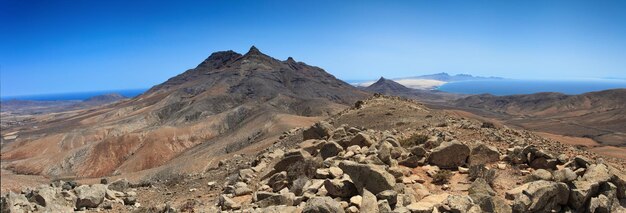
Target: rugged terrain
{"type": "Point", "coordinates": [599, 116]}
{"type": "Point", "coordinates": [184, 125]}
{"type": "Point", "coordinates": [385, 154]}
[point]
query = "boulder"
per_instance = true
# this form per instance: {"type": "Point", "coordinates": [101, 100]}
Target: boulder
{"type": "Point", "coordinates": [483, 154]}
{"type": "Point", "coordinates": [370, 177]}
{"type": "Point", "coordinates": [322, 205]}
{"type": "Point", "coordinates": [291, 158]}
{"type": "Point", "coordinates": [480, 186]}
{"type": "Point", "coordinates": [312, 146]}
{"type": "Point", "coordinates": [540, 196]}
{"type": "Point", "coordinates": [618, 178]}
{"type": "Point", "coordinates": [456, 204]}
{"type": "Point", "coordinates": [487, 203]}
{"type": "Point", "coordinates": [228, 204]}
{"type": "Point", "coordinates": [119, 185]}
{"type": "Point", "coordinates": [319, 130]}
{"type": "Point", "coordinates": [335, 172]}
{"type": "Point", "coordinates": [241, 188]}
{"type": "Point", "coordinates": [275, 199]}
{"type": "Point", "coordinates": [384, 207]}
{"type": "Point", "coordinates": [543, 163]}
{"type": "Point", "coordinates": [449, 155]}
{"type": "Point", "coordinates": [361, 139]}
{"type": "Point", "coordinates": [418, 151]}
{"type": "Point", "coordinates": [565, 175]}
{"type": "Point", "coordinates": [581, 192]}
{"type": "Point", "coordinates": [16, 203]}
{"type": "Point", "coordinates": [540, 174]}
{"type": "Point", "coordinates": [340, 188]}
{"type": "Point", "coordinates": [427, 204]}
{"type": "Point", "coordinates": [272, 209]}
{"type": "Point", "coordinates": [410, 161]}
{"type": "Point", "coordinates": [90, 196]}
{"type": "Point", "coordinates": [369, 203]}
{"type": "Point", "coordinates": [390, 195]}
{"type": "Point", "coordinates": [598, 173]}
{"type": "Point", "coordinates": [278, 181]}
{"type": "Point", "coordinates": [384, 152]}
{"type": "Point", "coordinates": [330, 149]}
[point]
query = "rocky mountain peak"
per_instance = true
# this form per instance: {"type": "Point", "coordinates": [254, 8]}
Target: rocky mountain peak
{"type": "Point", "coordinates": [254, 51]}
{"type": "Point", "coordinates": [218, 59]}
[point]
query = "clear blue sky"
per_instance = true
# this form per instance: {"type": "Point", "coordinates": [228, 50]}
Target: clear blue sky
{"type": "Point", "coordinates": [66, 46]}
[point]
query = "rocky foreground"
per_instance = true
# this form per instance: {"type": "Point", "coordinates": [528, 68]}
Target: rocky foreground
{"type": "Point", "coordinates": [433, 168]}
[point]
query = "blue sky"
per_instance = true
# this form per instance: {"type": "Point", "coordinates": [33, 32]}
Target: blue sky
{"type": "Point", "coordinates": [67, 46]}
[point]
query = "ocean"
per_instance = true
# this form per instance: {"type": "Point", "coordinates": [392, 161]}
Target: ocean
{"type": "Point", "coordinates": [75, 95]}
{"type": "Point", "coordinates": [515, 87]}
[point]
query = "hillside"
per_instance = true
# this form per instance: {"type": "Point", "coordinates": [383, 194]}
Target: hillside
{"type": "Point", "coordinates": [386, 154]}
{"type": "Point", "coordinates": [227, 103]}
{"type": "Point", "coordinates": [598, 115]}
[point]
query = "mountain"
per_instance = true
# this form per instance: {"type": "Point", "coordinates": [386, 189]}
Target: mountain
{"type": "Point", "coordinates": [451, 78]}
{"type": "Point", "coordinates": [598, 115]}
{"type": "Point", "coordinates": [390, 87]}
{"type": "Point", "coordinates": [230, 103]}
{"type": "Point", "coordinates": [106, 98]}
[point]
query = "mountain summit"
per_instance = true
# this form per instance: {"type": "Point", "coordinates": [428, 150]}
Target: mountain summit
{"type": "Point", "coordinates": [386, 86]}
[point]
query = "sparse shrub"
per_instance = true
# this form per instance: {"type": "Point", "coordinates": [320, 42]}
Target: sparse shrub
{"type": "Point", "coordinates": [297, 187]}
{"type": "Point", "coordinates": [480, 171]}
{"type": "Point", "coordinates": [359, 104]}
{"type": "Point", "coordinates": [414, 140]}
{"type": "Point", "coordinates": [442, 177]}
{"type": "Point", "coordinates": [488, 125]}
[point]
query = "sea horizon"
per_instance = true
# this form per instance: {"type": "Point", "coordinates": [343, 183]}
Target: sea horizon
{"type": "Point", "coordinates": [73, 96]}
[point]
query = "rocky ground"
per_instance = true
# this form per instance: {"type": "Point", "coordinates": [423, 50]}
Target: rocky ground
{"type": "Point", "coordinates": [385, 154]}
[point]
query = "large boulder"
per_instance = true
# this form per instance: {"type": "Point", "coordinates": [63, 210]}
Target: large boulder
{"type": "Point", "coordinates": [119, 185]}
{"type": "Point", "coordinates": [340, 188]}
{"type": "Point", "coordinates": [322, 205]}
{"type": "Point", "coordinates": [275, 199]}
{"type": "Point", "coordinates": [449, 155]}
{"type": "Point", "coordinates": [581, 192]}
{"type": "Point", "coordinates": [369, 204]}
{"type": "Point", "coordinates": [291, 158]}
{"type": "Point", "coordinates": [330, 149]}
{"type": "Point", "coordinates": [370, 177]}
{"type": "Point", "coordinates": [319, 130]}
{"type": "Point", "coordinates": [16, 203]}
{"type": "Point", "coordinates": [598, 173]}
{"type": "Point", "coordinates": [565, 175]}
{"type": "Point", "coordinates": [427, 204]}
{"type": "Point", "coordinates": [361, 139]}
{"type": "Point", "coordinates": [483, 154]}
{"type": "Point", "coordinates": [228, 204]}
{"type": "Point", "coordinates": [90, 196]}
{"type": "Point", "coordinates": [540, 196]}
{"type": "Point", "coordinates": [52, 199]}
{"type": "Point", "coordinates": [457, 204]}
{"type": "Point", "coordinates": [278, 181]}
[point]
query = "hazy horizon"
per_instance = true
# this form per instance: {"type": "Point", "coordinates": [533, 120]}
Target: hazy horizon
{"type": "Point", "coordinates": [67, 46]}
